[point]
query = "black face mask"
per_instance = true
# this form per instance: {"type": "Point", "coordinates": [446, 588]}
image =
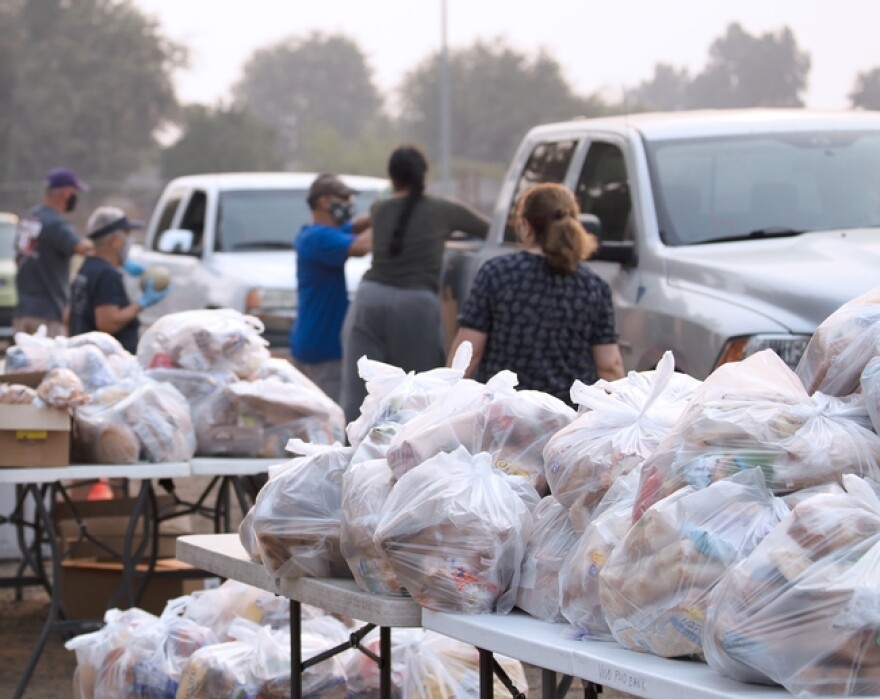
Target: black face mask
{"type": "Point", "coordinates": [71, 203]}
{"type": "Point", "coordinates": [341, 212]}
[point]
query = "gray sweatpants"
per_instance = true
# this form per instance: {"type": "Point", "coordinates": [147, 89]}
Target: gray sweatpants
{"type": "Point", "coordinates": [397, 326]}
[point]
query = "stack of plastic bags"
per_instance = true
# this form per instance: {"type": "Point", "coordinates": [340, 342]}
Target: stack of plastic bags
{"type": "Point", "coordinates": [243, 402]}
{"type": "Point", "coordinates": [757, 414]}
{"type": "Point", "coordinates": [803, 609]}
{"type": "Point", "coordinates": [619, 425]}
{"type": "Point", "coordinates": [513, 426]}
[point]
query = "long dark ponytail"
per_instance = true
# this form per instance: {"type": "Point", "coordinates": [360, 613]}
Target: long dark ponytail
{"type": "Point", "coordinates": [407, 168]}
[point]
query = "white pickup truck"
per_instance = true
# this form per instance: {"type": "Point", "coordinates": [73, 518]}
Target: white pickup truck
{"type": "Point", "coordinates": [722, 233]}
{"type": "Point", "coordinates": [227, 241]}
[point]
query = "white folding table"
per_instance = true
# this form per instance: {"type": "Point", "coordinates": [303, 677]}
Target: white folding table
{"type": "Point", "coordinates": [223, 555]}
{"type": "Point", "coordinates": [42, 485]}
{"type": "Point", "coordinates": [554, 648]}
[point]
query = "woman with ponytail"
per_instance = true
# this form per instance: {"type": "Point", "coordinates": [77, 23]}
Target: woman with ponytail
{"type": "Point", "coordinates": [395, 316]}
{"type": "Point", "coordinates": [541, 312]}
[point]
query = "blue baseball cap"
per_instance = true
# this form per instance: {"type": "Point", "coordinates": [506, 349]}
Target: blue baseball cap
{"type": "Point", "coordinates": [64, 177]}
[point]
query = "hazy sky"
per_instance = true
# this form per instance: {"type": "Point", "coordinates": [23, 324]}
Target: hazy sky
{"type": "Point", "coordinates": [602, 46]}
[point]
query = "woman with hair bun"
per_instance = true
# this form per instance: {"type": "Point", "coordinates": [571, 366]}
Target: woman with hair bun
{"type": "Point", "coordinates": [541, 312]}
{"type": "Point", "coordinates": [395, 315]}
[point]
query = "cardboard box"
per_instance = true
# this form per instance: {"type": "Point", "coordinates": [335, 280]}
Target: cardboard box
{"type": "Point", "coordinates": [87, 586]}
{"type": "Point", "coordinates": [106, 521]}
{"type": "Point", "coordinates": [32, 436]}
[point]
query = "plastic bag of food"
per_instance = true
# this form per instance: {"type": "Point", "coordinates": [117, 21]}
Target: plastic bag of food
{"type": "Point", "coordinates": [61, 388]}
{"type": "Point", "coordinates": [162, 653]}
{"type": "Point", "coordinates": [217, 608]}
{"type": "Point", "coordinates": [17, 394]}
{"type": "Point", "coordinates": [35, 353]}
{"type": "Point", "coordinates": [394, 397]}
{"type": "Point", "coordinates": [619, 425]}
{"type": "Point", "coordinates": [365, 488]}
{"type": "Point", "coordinates": [756, 414]}
{"type": "Point", "coordinates": [579, 575]}
{"type": "Point", "coordinates": [841, 347]}
{"type": "Point", "coordinates": [870, 385]}
{"type": "Point", "coordinates": [101, 433]}
{"type": "Point", "coordinates": [108, 642]}
{"type": "Point", "coordinates": [258, 418]}
{"type": "Point", "coordinates": [551, 540]}
{"type": "Point", "coordinates": [205, 340]}
{"type": "Point", "coordinates": [513, 426]}
{"type": "Point", "coordinates": [654, 588]}
{"type": "Point", "coordinates": [803, 610]}
{"type": "Point", "coordinates": [159, 415]}
{"type": "Point", "coordinates": [296, 517]}
{"type": "Point", "coordinates": [427, 665]}
{"type": "Point", "coordinates": [454, 532]}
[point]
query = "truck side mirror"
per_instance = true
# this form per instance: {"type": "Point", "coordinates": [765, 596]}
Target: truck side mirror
{"type": "Point", "coordinates": [177, 241]}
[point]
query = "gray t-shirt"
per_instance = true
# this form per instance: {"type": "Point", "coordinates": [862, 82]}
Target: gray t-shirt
{"type": "Point", "coordinates": [44, 244]}
{"type": "Point", "coordinates": [432, 221]}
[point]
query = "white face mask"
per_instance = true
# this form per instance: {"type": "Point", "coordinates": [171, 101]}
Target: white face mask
{"type": "Point", "coordinates": [123, 252]}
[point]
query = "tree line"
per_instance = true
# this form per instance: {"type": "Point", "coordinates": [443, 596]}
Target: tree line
{"type": "Point", "coordinates": [89, 84]}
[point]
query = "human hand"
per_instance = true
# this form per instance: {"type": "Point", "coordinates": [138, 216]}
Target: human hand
{"type": "Point", "coordinates": [151, 297]}
{"type": "Point", "coordinates": [135, 269]}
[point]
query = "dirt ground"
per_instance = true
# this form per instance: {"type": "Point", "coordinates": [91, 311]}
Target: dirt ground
{"type": "Point", "coordinates": [22, 620]}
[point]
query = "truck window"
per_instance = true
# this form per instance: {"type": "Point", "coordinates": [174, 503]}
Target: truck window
{"type": "Point", "coordinates": [194, 219]}
{"type": "Point", "coordinates": [603, 190]}
{"type": "Point", "coordinates": [167, 216]}
{"type": "Point", "coordinates": [548, 162]}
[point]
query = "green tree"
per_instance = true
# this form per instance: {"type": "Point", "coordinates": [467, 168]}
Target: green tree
{"type": "Point", "coordinates": [666, 90]}
{"type": "Point", "coordinates": [86, 83]}
{"type": "Point", "coordinates": [497, 94]}
{"type": "Point", "coordinates": [866, 91]}
{"type": "Point", "coordinates": [751, 71]}
{"type": "Point", "coordinates": [221, 140]}
{"type": "Point", "coordinates": [298, 84]}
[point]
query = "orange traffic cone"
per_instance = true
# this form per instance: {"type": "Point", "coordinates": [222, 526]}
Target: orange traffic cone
{"type": "Point", "coordinates": [100, 490]}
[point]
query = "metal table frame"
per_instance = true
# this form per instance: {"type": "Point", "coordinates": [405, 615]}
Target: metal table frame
{"type": "Point", "coordinates": [223, 555]}
{"type": "Point", "coordinates": [42, 486]}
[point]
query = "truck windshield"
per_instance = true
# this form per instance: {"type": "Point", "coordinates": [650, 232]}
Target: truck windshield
{"type": "Point", "coordinates": [268, 219]}
{"type": "Point", "coordinates": [764, 185]}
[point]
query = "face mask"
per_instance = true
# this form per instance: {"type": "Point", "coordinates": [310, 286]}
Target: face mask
{"type": "Point", "coordinates": [71, 203]}
{"type": "Point", "coordinates": [341, 212]}
{"type": "Point", "coordinates": [123, 252]}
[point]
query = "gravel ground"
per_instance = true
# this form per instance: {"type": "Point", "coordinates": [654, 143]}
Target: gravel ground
{"type": "Point", "coordinates": [22, 620]}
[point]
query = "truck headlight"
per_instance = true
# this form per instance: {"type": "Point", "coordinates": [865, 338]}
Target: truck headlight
{"type": "Point", "coordinates": [788, 347]}
{"type": "Point", "coordinates": [261, 299]}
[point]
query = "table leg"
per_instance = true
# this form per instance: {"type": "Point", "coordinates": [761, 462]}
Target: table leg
{"type": "Point", "coordinates": [41, 515]}
{"type": "Point", "coordinates": [487, 674]}
{"type": "Point", "coordinates": [385, 662]}
{"type": "Point", "coordinates": [295, 651]}
{"type": "Point", "coordinates": [591, 690]}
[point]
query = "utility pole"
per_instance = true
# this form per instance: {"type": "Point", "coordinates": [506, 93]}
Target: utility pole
{"type": "Point", "coordinates": [445, 107]}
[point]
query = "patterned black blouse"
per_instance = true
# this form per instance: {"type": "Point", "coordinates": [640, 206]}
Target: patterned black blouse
{"type": "Point", "coordinates": [540, 324]}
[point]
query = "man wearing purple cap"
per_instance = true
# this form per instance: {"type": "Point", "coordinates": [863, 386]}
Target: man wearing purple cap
{"type": "Point", "coordinates": [44, 244]}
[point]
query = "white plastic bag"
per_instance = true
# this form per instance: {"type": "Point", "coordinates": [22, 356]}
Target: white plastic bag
{"type": "Point", "coordinates": [803, 610]}
{"type": "Point", "coordinates": [296, 518]}
{"type": "Point", "coordinates": [455, 532]}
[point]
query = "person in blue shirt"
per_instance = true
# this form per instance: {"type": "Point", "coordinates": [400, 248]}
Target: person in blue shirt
{"type": "Point", "coordinates": [322, 247]}
{"type": "Point", "coordinates": [98, 300]}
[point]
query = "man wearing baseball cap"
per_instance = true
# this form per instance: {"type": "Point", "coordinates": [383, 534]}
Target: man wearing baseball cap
{"type": "Point", "coordinates": [322, 247]}
{"type": "Point", "coordinates": [44, 245]}
{"type": "Point", "coordinates": [98, 300]}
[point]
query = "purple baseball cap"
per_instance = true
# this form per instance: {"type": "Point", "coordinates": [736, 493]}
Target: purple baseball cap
{"type": "Point", "coordinates": [64, 177]}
